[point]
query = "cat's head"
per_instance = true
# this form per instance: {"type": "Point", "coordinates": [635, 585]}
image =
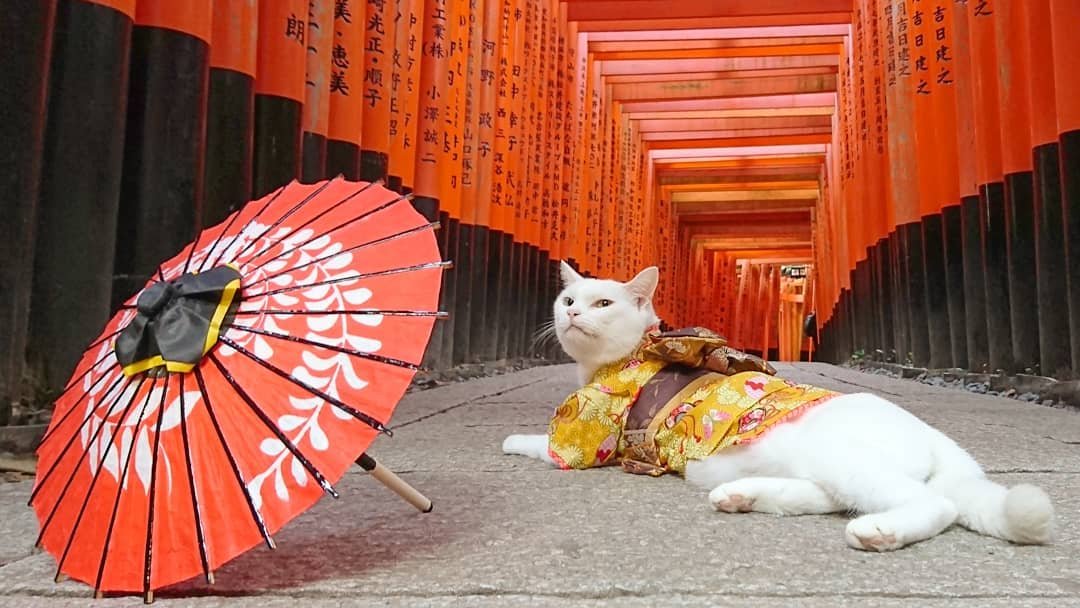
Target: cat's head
{"type": "Point", "coordinates": [599, 321]}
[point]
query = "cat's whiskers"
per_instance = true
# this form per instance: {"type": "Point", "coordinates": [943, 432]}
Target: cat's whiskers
{"type": "Point", "coordinates": [545, 335]}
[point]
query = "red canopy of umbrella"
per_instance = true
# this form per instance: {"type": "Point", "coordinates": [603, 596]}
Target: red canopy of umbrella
{"type": "Point", "coordinates": [256, 366]}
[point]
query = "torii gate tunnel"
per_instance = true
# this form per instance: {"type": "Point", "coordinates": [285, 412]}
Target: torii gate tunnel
{"type": "Point", "coordinates": [906, 170]}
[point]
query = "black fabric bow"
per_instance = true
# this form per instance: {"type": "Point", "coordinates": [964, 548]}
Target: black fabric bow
{"type": "Point", "coordinates": [177, 321]}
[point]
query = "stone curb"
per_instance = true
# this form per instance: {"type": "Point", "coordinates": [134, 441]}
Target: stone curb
{"type": "Point", "coordinates": [1024, 387]}
{"type": "Point", "coordinates": [21, 439]}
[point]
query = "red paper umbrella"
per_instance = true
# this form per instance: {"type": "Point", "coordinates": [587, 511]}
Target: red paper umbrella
{"type": "Point", "coordinates": [230, 393]}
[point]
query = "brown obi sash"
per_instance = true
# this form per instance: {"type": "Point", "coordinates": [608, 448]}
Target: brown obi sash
{"type": "Point", "coordinates": [665, 391]}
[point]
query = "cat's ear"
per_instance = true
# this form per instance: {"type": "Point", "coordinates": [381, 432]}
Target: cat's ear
{"type": "Point", "coordinates": [643, 285]}
{"type": "Point", "coordinates": [569, 275]}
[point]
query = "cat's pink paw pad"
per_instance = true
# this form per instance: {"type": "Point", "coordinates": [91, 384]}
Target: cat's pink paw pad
{"type": "Point", "coordinates": [730, 503]}
{"type": "Point", "coordinates": [869, 535]}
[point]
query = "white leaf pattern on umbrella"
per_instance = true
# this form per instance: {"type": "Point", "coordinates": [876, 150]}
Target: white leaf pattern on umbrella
{"type": "Point", "coordinates": [284, 299]}
{"type": "Point", "coordinates": [179, 406]}
{"type": "Point", "coordinates": [316, 362]}
{"type": "Point", "coordinates": [271, 447]}
{"type": "Point", "coordinates": [303, 375]}
{"type": "Point", "coordinates": [263, 349]}
{"type": "Point", "coordinates": [255, 490]}
{"type": "Point", "coordinates": [319, 291]}
{"type": "Point", "coordinates": [350, 374]}
{"type": "Point", "coordinates": [357, 296]}
{"type": "Point", "coordinates": [298, 472]}
{"type": "Point", "coordinates": [275, 266]}
{"type": "Point", "coordinates": [317, 323]}
{"type": "Point", "coordinates": [289, 422]}
{"type": "Point", "coordinates": [318, 438]}
{"type": "Point", "coordinates": [364, 345]}
{"type": "Point", "coordinates": [114, 453]}
{"type": "Point", "coordinates": [279, 486]}
{"type": "Point", "coordinates": [319, 244]}
{"type": "Point", "coordinates": [91, 452]}
{"type": "Point", "coordinates": [309, 403]}
{"type": "Point", "coordinates": [143, 458]}
{"type": "Point", "coordinates": [338, 261]}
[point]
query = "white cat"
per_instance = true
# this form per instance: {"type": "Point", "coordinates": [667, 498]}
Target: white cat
{"type": "Point", "coordinates": [854, 453]}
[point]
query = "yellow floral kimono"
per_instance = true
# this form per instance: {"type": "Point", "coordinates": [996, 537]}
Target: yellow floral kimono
{"type": "Point", "coordinates": [682, 395]}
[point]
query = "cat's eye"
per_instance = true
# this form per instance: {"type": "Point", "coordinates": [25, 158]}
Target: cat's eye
{"type": "Point", "coordinates": [568, 301]}
{"type": "Point", "coordinates": [603, 303]}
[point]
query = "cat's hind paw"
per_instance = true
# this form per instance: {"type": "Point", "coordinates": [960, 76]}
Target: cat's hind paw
{"type": "Point", "coordinates": [871, 533]}
{"type": "Point", "coordinates": [721, 500]}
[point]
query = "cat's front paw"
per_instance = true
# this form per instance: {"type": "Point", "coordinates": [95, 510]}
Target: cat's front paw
{"type": "Point", "coordinates": [533, 446]}
{"type": "Point", "coordinates": [514, 444]}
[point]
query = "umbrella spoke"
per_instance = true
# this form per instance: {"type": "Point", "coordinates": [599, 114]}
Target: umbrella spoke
{"type": "Point", "coordinates": [148, 562]}
{"type": "Point", "coordinates": [217, 241]}
{"type": "Point", "coordinates": [71, 383]}
{"type": "Point", "coordinates": [317, 217]}
{"type": "Point", "coordinates": [362, 417]}
{"type": "Point", "coordinates": [378, 241]}
{"type": "Point", "coordinates": [123, 476]}
{"type": "Point", "coordinates": [93, 482]}
{"type": "Point", "coordinates": [273, 428]}
{"type": "Point", "coordinates": [53, 427]}
{"type": "Point", "coordinates": [345, 311]}
{"type": "Point", "coordinates": [341, 349]}
{"type": "Point", "coordinates": [78, 431]}
{"type": "Point", "coordinates": [75, 381]}
{"type": "Point", "coordinates": [283, 217]}
{"type": "Point", "coordinates": [255, 515]}
{"type": "Point", "coordinates": [108, 336]}
{"type": "Point", "coordinates": [361, 275]}
{"type": "Point", "coordinates": [198, 237]}
{"type": "Point", "coordinates": [200, 537]}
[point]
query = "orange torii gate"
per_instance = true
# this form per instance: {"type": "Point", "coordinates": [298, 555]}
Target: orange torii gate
{"type": "Point", "coordinates": [918, 157]}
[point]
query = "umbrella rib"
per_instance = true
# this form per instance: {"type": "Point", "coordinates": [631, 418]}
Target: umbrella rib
{"type": "Point", "coordinates": [344, 311]}
{"type": "Point", "coordinates": [273, 428]}
{"type": "Point", "coordinates": [355, 413]}
{"type": "Point", "coordinates": [90, 490]}
{"type": "Point", "coordinates": [236, 235]}
{"type": "Point", "coordinates": [284, 217]}
{"type": "Point", "coordinates": [123, 477]}
{"type": "Point", "coordinates": [71, 384]}
{"type": "Point", "coordinates": [341, 349]}
{"type": "Point", "coordinates": [78, 431]}
{"type": "Point", "coordinates": [378, 241]}
{"type": "Point", "coordinates": [53, 428]}
{"type": "Point", "coordinates": [191, 484]}
{"type": "Point", "coordinates": [317, 217]}
{"type": "Point", "coordinates": [255, 515]}
{"type": "Point", "coordinates": [191, 252]}
{"type": "Point", "coordinates": [74, 381]}
{"type": "Point", "coordinates": [103, 338]}
{"type": "Point", "coordinates": [148, 562]}
{"type": "Point", "coordinates": [358, 276]}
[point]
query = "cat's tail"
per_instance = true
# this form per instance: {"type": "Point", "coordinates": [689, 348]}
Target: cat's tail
{"type": "Point", "coordinates": [1021, 514]}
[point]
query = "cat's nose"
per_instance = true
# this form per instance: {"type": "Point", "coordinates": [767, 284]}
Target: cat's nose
{"type": "Point", "coordinates": [572, 313]}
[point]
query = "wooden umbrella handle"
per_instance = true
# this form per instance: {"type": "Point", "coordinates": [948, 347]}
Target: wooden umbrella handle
{"type": "Point", "coordinates": [395, 483]}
